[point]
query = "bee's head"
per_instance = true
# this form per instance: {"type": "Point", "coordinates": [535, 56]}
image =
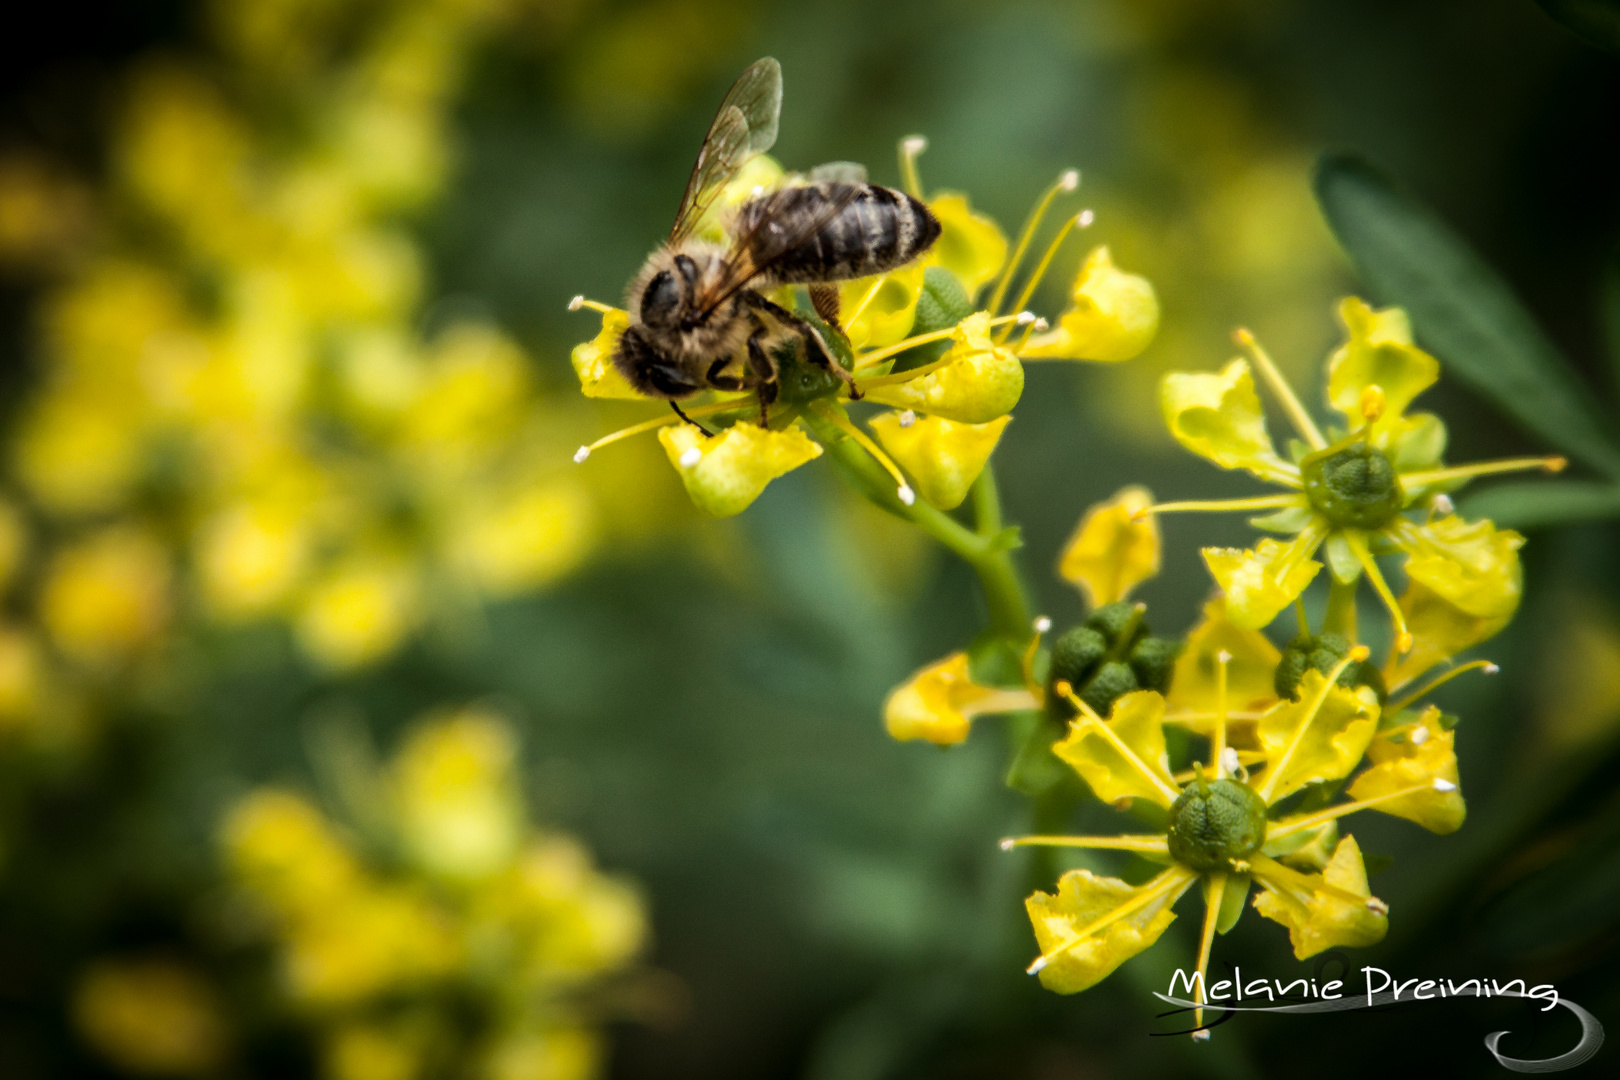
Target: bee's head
{"type": "Point", "coordinates": [667, 299]}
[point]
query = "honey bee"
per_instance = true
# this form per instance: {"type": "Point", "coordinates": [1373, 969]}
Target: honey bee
{"type": "Point", "coordinates": [699, 318]}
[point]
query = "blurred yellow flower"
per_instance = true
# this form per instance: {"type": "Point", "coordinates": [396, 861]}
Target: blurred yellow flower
{"type": "Point", "coordinates": [250, 556]}
{"type": "Point", "coordinates": [360, 610]}
{"type": "Point", "coordinates": [107, 595]}
{"type": "Point", "coordinates": [151, 1017]}
{"type": "Point", "coordinates": [512, 542]}
{"type": "Point", "coordinates": [460, 812]}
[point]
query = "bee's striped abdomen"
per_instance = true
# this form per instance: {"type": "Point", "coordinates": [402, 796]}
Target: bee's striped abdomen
{"type": "Point", "coordinates": [834, 231]}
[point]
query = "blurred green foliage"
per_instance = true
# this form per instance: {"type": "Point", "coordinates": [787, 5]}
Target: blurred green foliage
{"type": "Point", "coordinates": [699, 700]}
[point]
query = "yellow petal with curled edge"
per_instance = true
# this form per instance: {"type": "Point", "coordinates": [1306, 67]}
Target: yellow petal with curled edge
{"type": "Point", "coordinates": [724, 473]}
{"type": "Point", "coordinates": [1114, 317]}
{"type": "Point", "coordinates": [944, 457]}
{"type": "Point", "coordinates": [938, 703]}
{"type": "Point", "coordinates": [1219, 417]}
{"type": "Point", "coordinates": [971, 246]}
{"type": "Point", "coordinates": [1305, 741]}
{"type": "Point", "coordinates": [1249, 673]}
{"type": "Point", "coordinates": [593, 361]}
{"type": "Point", "coordinates": [1140, 770]}
{"type": "Point", "coordinates": [1378, 353]}
{"type": "Point", "coordinates": [879, 311]}
{"type": "Point", "coordinates": [976, 382]}
{"type": "Point", "coordinates": [1316, 918]}
{"type": "Point", "coordinates": [1439, 629]}
{"type": "Point", "coordinates": [1416, 755]}
{"type": "Point", "coordinates": [1114, 549]}
{"type": "Point", "coordinates": [1082, 901]}
{"type": "Point", "coordinates": [1266, 578]}
{"type": "Point", "coordinates": [1471, 564]}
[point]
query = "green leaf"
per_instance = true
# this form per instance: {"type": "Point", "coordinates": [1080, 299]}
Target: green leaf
{"type": "Point", "coordinates": [1595, 21]}
{"type": "Point", "coordinates": [1545, 503]}
{"type": "Point", "coordinates": [1461, 309]}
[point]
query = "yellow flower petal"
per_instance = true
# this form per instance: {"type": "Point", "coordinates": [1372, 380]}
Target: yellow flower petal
{"type": "Point", "coordinates": [1083, 900]}
{"type": "Point", "coordinates": [977, 382]}
{"type": "Point", "coordinates": [1471, 564]}
{"type": "Point", "coordinates": [1263, 580]}
{"type": "Point", "coordinates": [1113, 551]}
{"type": "Point", "coordinates": [1249, 672]}
{"type": "Point", "coordinates": [1219, 417]}
{"type": "Point", "coordinates": [1306, 742]}
{"type": "Point", "coordinates": [879, 311]}
{"type": "Point", "coordinates": [970, 245]}
{"type": "Point", "coordinates": [725, 473]}
{"type": "Point", "coordinates": [938, 703]}
{"type": "Point", "coordinates": [593, 361]}
{"type": "Point", "coordinates": [1378, 353]}
{"type": "Point", "coordinates": [1114, 317]}
{"type": "Point", "coordinates": [1316, 918]}
{"type": "Point", "coordinates": [1439, 629]}
{"type": "Point", "coordinates": [944, 457]}
{"type": "Point", "coordinates": [1140, 771]}
{"type": "Point", "coordinates": [460, 812]}
{"type": "Point", "coordinates": [1424, 753]}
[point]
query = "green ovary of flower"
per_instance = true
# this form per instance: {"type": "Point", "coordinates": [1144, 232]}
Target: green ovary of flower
{"type": "Point", "coordinates": [1211, 824]}
{"type": "Point", "coordinates": [1355, 487]}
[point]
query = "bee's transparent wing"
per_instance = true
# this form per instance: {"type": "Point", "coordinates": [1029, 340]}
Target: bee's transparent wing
{"type": "Point", "coordinates": [744, 126]}
{"type": "Point", "coordinates": [848, 172]}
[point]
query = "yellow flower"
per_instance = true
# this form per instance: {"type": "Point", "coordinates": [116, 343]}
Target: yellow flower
{"type": "Point", "coordinates": [944, 457]}
{"type": "Point", "coordinates": [359, 611]}
{"type": "Point", "coordinates": [250, 556]}
{"type": "Point", "coordinates": [1093, 924]}
{"type": "Point", "coordinates": [593, 361]}
{"type": "Point", "coordinates": [725, 473]}
{"type": "Point", "coordinates": [976, 382]}
{"type": "Point", "coordinates": [971, 246]}
{"type": "Point", "coordinates": [1222, 665]}
{"type": "Point", "coordinates": [151, 1016]}
{"type": "Point", "coordinates": [460, 814]}
{"type": "Point", "coordinates": [1114, 549]}
{"type": "Point", "coordinates": [1409, 758]}
{"type": "Point", "coordinates": [1326, 910]}
{"type": "Point", "coordinates": [107, 595]}
{"type": "Point", "coordinates": [22, 676]}
{"type": "Point", "coordinates": [551, 1053]}
{"type": "Point", "coordinates": [511, 542]}
{"type": "Point", "coordinates": [938, 703]}
{"type": "Point", "coordinates": [1115, 316]}
{"type": "Point", "coordinates": [1352, 498]}
{"type": "Point", "coordinates": [878, 311]}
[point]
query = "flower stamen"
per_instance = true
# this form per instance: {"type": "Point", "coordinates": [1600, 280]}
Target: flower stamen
{"type": "Point", "coordinates": [836, 417]}
{"type": "Point", "coordinates": [1357, 542]}
{"type": "Point", "coordinates": [595, 305]}
{"type": "Point", "coordinates": [1485, 666]}
{"type": "Point", "coordinates": [1041, 625]}
{"type": "Point", "coordinates": [1551, 464]}
{"type": "Point", "coordinates": [1215, 891]}
{"type": "Point", "coordinates": [1089, 715]}
{"type": "Point", "coordinates": [1259, 502]}
{"type": "Point", "coordinates": [1274, 772]}
{"type": "Point", "coordinates": [1067, 182]}
{"type": "Point", "coordinates": [1279, 386]}
{"type": "Point", "coordinates": [910, 147]}
{"type": "Point", "coordinates": [880, 355]}
{"type": "Point", "coordinates": [1034, 282]}
{"type": "Point", "coordinates": [1155, 844]}
{"type": "Point", "coordinates": [1177, 877]}
{"type": "Point", "coordinates": [651, 425]}
{"type": "Point", "coordinates": [1310, 821]}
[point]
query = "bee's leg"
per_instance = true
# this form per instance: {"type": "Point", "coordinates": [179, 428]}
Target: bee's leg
{"type": "Point", "coordinates": [706, 432]}
{"type": "Point", "coordinates": [824, 298]}
{"type": "Point", "coordinates": [764, 369]}
{"type": "Point", "coordinates": [815, 350]}
{"type": "Point", "coordinates": [723, 382]}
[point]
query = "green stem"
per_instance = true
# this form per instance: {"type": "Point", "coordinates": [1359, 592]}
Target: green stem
{"type": "Point", "coordinates": [1341, 609]}
{"type": "Point", "coordinates": [986, 502]}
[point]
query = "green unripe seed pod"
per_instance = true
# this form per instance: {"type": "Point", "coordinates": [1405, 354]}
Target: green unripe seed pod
{"type": "Point", "coordinates": [1354, 488]}
{"type": "Point", "coordinates": [1154, 661]}
{"type": "Point", "coordinates": [1112, 680]}
{"type": "Point", "coordinates": [1112, 619]}
{"type": "Point", "coordinates": [1323, 652]}
{"type": "Point", "coordinates": [941, 304]}
{"type": "Point", "coordinates": [1214, 822]}
{"type": "Point", "coordinates": [1077, 653]}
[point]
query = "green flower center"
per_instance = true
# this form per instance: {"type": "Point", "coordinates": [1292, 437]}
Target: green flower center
{"type": "Point", "coordinates": [1323, 652]}
{"type": "Point", "coordinates": [1354, 488]}
{"type": "Point", "coordinates": [1215, 822]}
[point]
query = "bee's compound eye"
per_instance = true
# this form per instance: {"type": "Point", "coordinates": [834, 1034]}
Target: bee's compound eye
{"type": "Point", "coordinates": [661, 300]}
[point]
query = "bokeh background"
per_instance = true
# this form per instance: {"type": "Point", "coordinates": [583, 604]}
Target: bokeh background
{"type": "Point", "coordinates": [347, 728]}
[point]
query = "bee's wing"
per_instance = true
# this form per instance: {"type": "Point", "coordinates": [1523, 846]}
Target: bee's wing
{"type": "Point", "coordinates": [848, 172]}
{"type": "Point", "coordinates": [772, 234]}
{"type": "Point", "coordinates": [744, 126]}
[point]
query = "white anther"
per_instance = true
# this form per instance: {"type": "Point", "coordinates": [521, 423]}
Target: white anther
{"type": "Point", "coordinates": [914, 144]}
{"type": "Point", "coordinates": [1490, 669]}
{"type": "Point", "coordinates": [577, 302]}
{"type": "Point", "coordinates": [1443, 505]}
{"type": "Point", "coordinates": [1377, 906]}
{"type": "Point", "coordinates": [1201, 1035]}
{"type": "Point", "coordinates": [1042, 624]}
{"type": "Point", "coordinates": [1008, 844]}
{"type": "Point", "coordinates": [1035, 968]}
{"type": "Point", "coordinates": [1444, 786]}
{"type": "Point", "coordinates": [1042, 325]}
{"type": "Point", "coordinates": [1223, 657]}
{"type": "Point", "coordinates": [1085, 218]}
{"type": "Point", "coordinates": [581, 454]}
{"type": "Point", "coordinates": [908, 418]}
{"type": "Point", "coordinates": [1025, 318]}
{"type": "Point", "coordinates": [1069, 180]}
{"type": "Point", "coordinates": [1229, 761]}
{"type": "Point", "coordinates": [690, 457]}
{"type": "Point", "coordinates": [759, 189]}
{"type": "Point", "coordinates": [907, 496]}
{"type": "Point", "coordinates": [1420, 736]}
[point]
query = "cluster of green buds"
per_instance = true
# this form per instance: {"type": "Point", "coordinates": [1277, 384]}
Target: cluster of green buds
{"type": "Point", "coordinates": [1243, 755]}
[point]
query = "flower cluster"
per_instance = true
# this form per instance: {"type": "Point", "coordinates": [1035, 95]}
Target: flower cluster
{"type": "Point", "coordinates": [917, 339]}
{"type": "Point", "coordinates": [1246, 755]}
{"type": "Point", "coordinates": [438, 927]}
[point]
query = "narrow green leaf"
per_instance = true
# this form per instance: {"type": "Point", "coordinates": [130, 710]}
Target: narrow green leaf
{"type": "Point", "coordinates": [1461, 310]}
{"type": "Point", "coordinates": [1595, 21]}
{"type": "Point", "coordinates": [1545, 503]}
